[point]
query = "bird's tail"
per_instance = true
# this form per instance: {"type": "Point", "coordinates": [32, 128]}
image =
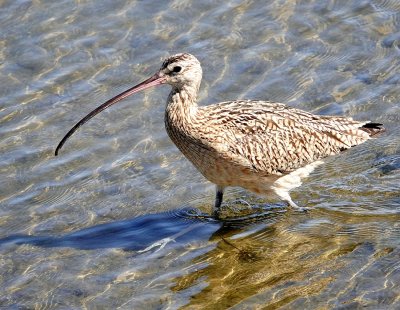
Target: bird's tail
{"type": "Point", "coordinates": [373, 128]}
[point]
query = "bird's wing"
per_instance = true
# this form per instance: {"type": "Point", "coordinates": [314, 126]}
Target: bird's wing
{"type": "Point", "coordinates": [273, 138]}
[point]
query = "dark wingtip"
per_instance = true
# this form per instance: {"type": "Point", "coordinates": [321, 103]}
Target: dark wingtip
{"type": "Point", "coordinates": [373, 128]}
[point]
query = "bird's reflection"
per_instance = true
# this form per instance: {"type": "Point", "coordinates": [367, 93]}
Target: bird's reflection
{"type": "Point", "coordinates": [249, 253]}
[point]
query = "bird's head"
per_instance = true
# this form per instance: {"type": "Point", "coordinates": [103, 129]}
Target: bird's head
{"type": "Point", "coordinates": [179, 71]}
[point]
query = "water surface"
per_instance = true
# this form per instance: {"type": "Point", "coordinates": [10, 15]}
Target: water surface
{"type": "Point", "coordinates": [119, 219]}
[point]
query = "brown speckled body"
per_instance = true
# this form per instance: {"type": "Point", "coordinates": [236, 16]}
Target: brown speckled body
{"type": "Point", "coordinates": [248, 143]}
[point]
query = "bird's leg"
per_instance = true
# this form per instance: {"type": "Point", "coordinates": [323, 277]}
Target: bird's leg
{"type": "Point", "coordinates": [295, 206]}
{"type": "Point", "coordinates": [284, 195]}
{"type": "Point", "coordinates": [218, 200]}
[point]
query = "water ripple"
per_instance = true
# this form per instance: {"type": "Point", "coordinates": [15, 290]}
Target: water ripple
{"type": "Point", "coordinates": [121, 220]}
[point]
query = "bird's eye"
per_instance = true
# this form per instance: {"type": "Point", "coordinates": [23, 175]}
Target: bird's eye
{"type": "Point", "coordinates": [177, 69]}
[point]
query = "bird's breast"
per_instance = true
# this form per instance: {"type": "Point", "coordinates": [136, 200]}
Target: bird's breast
{"type": "Point", "coordinates": [189, 143]}
{"type": "Point", "coordinates": [206, 154]}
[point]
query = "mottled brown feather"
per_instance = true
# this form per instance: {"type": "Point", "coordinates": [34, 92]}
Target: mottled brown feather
{"type": "Point", "coordinates": [251, 143]}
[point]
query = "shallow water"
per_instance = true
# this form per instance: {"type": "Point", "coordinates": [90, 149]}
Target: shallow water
{"type": "Point", "coordinates": [119, 219]}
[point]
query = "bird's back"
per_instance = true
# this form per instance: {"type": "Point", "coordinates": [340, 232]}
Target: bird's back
{"type": "Point", "coordinates": [272, 138]}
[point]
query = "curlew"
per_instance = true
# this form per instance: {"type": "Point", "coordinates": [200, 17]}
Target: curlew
{"type": "Point", "coordinates": [262, 146]}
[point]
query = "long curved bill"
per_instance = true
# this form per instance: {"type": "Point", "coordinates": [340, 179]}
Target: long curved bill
{"type": "Point", "coordinates": [156, 79]}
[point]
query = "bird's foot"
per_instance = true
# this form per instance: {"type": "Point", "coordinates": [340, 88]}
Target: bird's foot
{"type": "Point", "coordinates": [234, 209]}
{"type": "Point", "coordinates": [302, 209]}
{"type": "Point", "coordinates": [298, 208]}
{"type": "Point", "coordinates": [216, 214]}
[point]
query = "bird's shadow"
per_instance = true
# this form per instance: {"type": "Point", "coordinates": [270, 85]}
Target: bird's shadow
{"type": "Point", "coordinates": [141, 233]}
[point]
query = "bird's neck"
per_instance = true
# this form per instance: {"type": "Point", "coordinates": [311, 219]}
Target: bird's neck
{"type": "Point", "coordinates": [181, 106]}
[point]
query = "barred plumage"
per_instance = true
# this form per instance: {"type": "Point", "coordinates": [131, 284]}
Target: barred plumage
{"type": "Point", "coordinates": [258, 145]}
{"type": "Point", "coordinates": [262, 146]}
